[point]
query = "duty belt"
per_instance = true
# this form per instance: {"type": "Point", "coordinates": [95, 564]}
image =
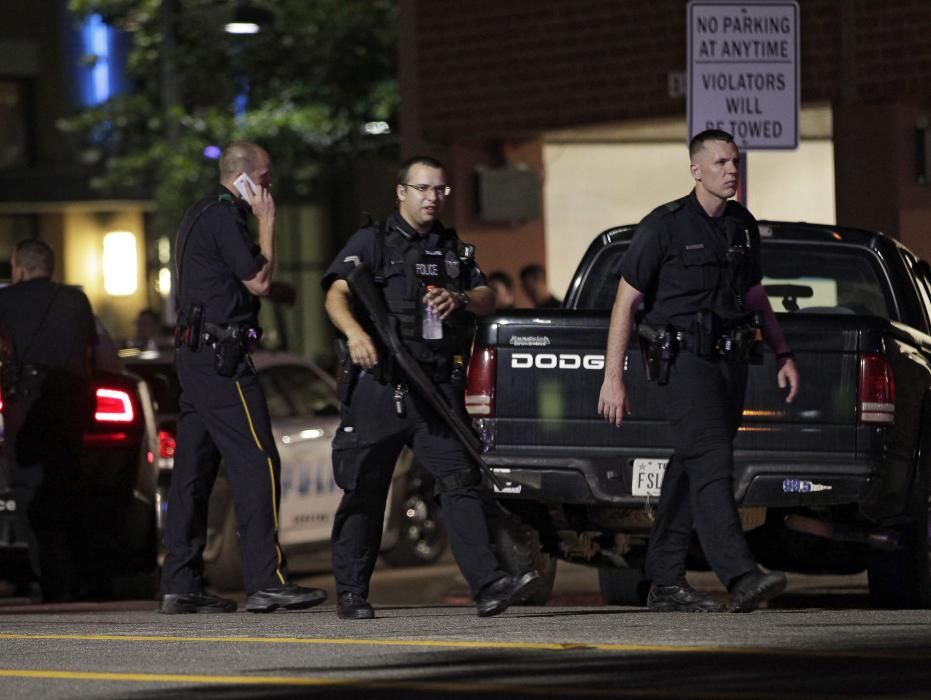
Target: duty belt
{"type": "Point", "coordinates": [226, 331]}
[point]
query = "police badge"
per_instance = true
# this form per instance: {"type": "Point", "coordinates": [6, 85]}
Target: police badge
{"type": "Point", "coordinates": [453, 265]}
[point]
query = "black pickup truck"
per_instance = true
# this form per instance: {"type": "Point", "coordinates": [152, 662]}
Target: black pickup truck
{"type": "Point", "coordinates": [836, 482]}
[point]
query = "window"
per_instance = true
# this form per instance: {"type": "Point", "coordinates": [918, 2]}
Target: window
{"type": "Point", "coordinates": [13, 125]}
{"type": "Point", "coordinates": [824, 279]}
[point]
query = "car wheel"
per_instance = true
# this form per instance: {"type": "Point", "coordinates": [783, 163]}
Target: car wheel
{"type": "Point", "coordinates": [623, 585]}
{"type": "Point", "coordinates": [902, 578]}
{"type": "Point", "coordinates": [421, 528]}
{"type": "Point", "coordinates": [224, 568]}
{"type": "Point", "coordinates": [519, 550]}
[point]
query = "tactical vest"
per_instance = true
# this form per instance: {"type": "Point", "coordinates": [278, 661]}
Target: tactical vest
{"type": "Point", "coordinates": [449, 265]}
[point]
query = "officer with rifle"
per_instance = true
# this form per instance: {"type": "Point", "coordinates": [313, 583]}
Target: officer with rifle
{"type": "Point", "coordinates": [432, 289]}
{"type": "Point", "coordinates": [695, 265]}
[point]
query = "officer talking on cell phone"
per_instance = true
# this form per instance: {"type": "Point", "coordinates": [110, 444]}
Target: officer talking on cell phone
{"type": "Point", "coordinates": [695, 265]}
{"type": "Point", "coordinates": [221, 272]}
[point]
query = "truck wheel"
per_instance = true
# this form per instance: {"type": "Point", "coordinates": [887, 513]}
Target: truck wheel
{"type": "Point", "coordinates": [623, 585]}
{"type": "Point", "coordinates": [902, 578]}
{"type": "Point", "coordinates": [519, 550]}
{"type": "Point", "coordinates": [224, 569]}
{"type": "Point", "coordinates": [421, 528]}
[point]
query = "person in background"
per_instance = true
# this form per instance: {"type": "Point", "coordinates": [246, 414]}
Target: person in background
{"type": "Point", "coordinates": [502, 285]}
{"type": "Point", "coordinates": [49, 335]}
{"type": "Point", "coordinates": [533, 280]}
{"type": "Point", "coordinates": [151, 333]}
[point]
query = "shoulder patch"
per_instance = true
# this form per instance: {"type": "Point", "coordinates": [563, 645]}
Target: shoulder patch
{"type": "Point", "coordinates": [674, 205]}
{"type": "Point", "coordinates": [225, 198]}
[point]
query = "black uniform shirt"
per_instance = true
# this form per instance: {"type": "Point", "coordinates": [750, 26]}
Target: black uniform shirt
{"type": "Point", "coordinates": [364, 247]}
{"type": "Point", "coordinates": [215, 256]}
{"type": "Point", "coordinates": [63, 339]}
{"type": "Point", "coordinates": [678, 259]}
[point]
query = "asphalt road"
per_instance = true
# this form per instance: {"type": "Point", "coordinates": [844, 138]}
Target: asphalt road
{"type": "Point", "coordinates": [820, 640]}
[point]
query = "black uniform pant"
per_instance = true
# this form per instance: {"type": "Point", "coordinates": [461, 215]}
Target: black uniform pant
{"type": "Point", "coordinates": [43, 448]}
{"type": "Point", "coordinates": [365, 449]}
{"type": "Point", "coordinates": [704, 404]}
{"type": "Point", "coordinates": [222, 417]}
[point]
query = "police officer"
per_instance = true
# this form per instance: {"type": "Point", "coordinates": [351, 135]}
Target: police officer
{"type": "Point", "coordinates": [695, 264]}
{"type": "Point", "coordinates": [421, 266]}
{"type": "Point", "coordinates": [49, 332]}
{"type": "Point", "coordinates": [223, 411]}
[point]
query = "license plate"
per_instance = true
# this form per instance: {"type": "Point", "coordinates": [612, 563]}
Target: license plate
{"type": "Point", "coordinates": [648, 476]}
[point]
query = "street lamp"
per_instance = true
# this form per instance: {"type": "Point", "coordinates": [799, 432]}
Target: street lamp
{"type": "Point", "coordinates": [248, 19]}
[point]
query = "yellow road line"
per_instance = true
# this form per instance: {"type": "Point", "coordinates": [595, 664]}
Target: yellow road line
{"type": "Point", "coordinates": [463, 644]}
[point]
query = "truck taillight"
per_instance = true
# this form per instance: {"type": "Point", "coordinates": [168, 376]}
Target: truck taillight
{"type": "Point", "coordinates": [876, 402]}
{"type": "Point", "coordinates": [480, 389]}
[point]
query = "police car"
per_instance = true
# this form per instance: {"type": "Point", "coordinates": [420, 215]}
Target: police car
{"type": "Point", "coordinates": [304, 410]}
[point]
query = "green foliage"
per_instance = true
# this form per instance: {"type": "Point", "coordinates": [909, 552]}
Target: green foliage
{"type": "Point", "coordinates": [313, 79]}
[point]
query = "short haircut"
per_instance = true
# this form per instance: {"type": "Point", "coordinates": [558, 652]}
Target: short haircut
{"type": "Point", "coordinates": [240, 157]}
{"type": "Point", "coordinates": [35, 256]}
{"type": "Point", "coordinates": [698, 140]}
{"type": "Point", "coordinates": [417, 160]}
{"type": "Point", "coordinates": [500, 276]}
{"type": "Point", "coordinates": [534, 270]}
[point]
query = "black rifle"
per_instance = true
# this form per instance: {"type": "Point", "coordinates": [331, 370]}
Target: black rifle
{"type": "Point", "coordinates": [366, 293]}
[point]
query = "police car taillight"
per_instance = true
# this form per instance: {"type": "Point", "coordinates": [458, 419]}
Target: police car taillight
{"type": "Point", "coordinates": [113, 406]}
{"type": "Point", "coordinates": [876, 391]}
{"type": "Point", "coordinates": [480, 388]}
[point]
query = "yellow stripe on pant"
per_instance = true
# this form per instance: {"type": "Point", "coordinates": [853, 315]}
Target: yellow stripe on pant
{"type": "Point", "coordinates": [271, 476]}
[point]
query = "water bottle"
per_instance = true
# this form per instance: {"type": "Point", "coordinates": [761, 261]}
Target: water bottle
{"type": "Point", "coordinates": [432, 325]}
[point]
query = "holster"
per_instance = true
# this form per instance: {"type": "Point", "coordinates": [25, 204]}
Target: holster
{"type": "Point", "coordinates": [658, 348]}
{"type": "Point", "coordinates": [229, 347]}
{"type": "Point", "coordinates": [348, 372]}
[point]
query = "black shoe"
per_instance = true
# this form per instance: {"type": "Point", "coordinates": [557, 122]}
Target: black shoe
{"type": "Point", "coordinates": [176, 603]}
{"type": "Point", "coordinates": [681, 598]}
{"type": "Point", "coordinates": [352, 606]}
{"type": "Point", "coordinates": [507, 590]}
{"type": "Point", "coordinates": [754, 588]}
{"type": "Point", "coordinates": [290, 597]}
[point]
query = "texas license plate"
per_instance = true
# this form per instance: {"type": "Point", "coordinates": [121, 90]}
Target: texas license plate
{"type": "Point", "coordinates": [648, 476]}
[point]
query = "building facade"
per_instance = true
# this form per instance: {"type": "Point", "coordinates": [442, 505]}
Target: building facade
{"type": "Point", "coordinates": [588, 97]}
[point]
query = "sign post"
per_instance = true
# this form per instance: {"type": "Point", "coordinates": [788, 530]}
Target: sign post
{"type": "Point", "coordinates": [743, 72]}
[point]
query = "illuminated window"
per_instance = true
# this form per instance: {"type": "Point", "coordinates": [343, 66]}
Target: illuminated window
{"type": "Point", "coordinates": [120, 265]}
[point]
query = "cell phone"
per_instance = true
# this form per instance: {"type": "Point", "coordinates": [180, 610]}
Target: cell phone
{"type": "Point", "coordinates": [247, 188]}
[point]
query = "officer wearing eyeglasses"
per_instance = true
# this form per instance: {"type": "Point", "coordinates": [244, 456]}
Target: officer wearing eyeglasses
{"type": "Point", "coordinates": [424, 270]}
{"type": "Point", "coordinates": [695, 265]}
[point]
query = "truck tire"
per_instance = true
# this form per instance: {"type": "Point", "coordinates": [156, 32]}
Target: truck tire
{"type": "Point", "coordinates": [224, 569]}
{"type": "Point", "coordinates": [902, 578]}
{"type": "Point", "coordinates": [519, 550]}
{"type": "Point", "coordinates": [623, 585]}
{"type": "Point", "coordinates": [421, 528]}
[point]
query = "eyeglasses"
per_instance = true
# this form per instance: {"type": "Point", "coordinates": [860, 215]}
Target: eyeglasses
{"type": "Point", "coordinates": [439, 191]}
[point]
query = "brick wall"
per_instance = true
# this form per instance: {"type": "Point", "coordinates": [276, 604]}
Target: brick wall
{"type": "Point", "coordinates": [488, 69]}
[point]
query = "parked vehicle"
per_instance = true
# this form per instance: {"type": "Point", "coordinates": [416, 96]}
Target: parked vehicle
{"type": "Point", "coordinates": [304, 410]}
{"type": "Point", "coordinates": [116, 492]}
{"type": "Point", "coordinates": [836, 482]}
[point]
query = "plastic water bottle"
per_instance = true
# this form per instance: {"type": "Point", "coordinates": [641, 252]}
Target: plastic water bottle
{"type": "Point", "coordinates": [432, 325]}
